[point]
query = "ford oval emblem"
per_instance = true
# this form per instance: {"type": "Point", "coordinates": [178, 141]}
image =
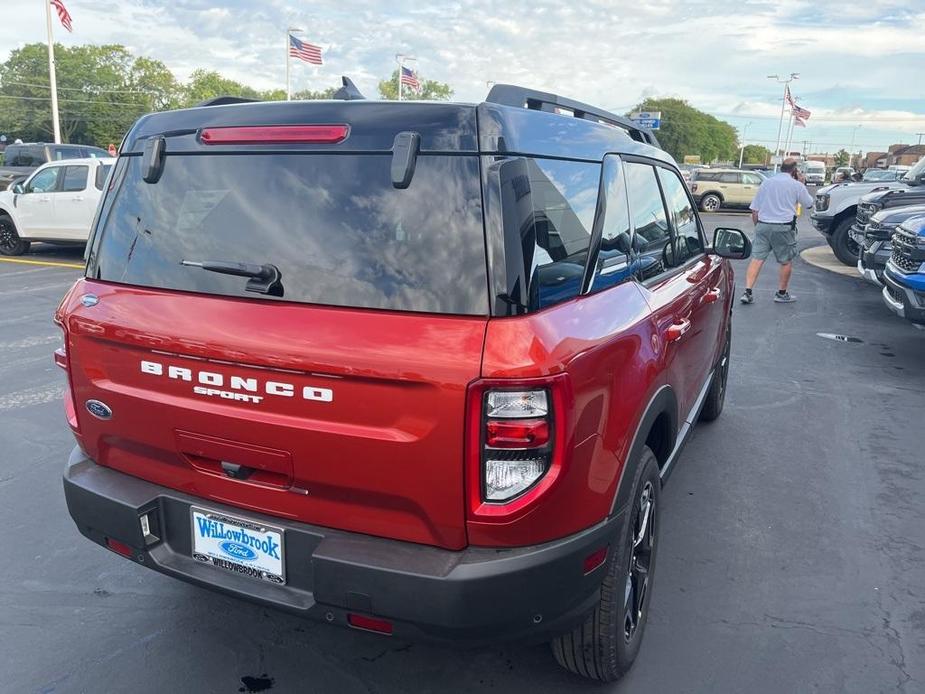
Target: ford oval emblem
{"type": "Point", "coordinates": [237, 551]}
{"type": "Point", "coordinates": [89, 300]}
{"type": "Point", "coordinates": [98, 409]}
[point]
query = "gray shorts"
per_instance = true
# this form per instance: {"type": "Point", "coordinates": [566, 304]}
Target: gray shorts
{"type": "Point", "coordinates": [780, 238]}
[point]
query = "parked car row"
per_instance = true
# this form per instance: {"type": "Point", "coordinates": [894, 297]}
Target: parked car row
{"type": "Point", "coordinates": [56, 204]}
{"type": "Point", "coordinates": [880, 227]}
{"type": "Point", "coordinates": [21, 159]}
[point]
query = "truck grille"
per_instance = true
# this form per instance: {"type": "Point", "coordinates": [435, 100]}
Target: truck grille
{"type": "Point", "coordinates": [903, 249]}
{"type": "Point", "coordinates": [895, 293]}
{"type": "Point", "coordinates": [865, 210]}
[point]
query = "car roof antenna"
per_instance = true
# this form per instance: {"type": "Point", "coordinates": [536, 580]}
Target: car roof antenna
{"type": "Point", "coordinates": [349, 91]}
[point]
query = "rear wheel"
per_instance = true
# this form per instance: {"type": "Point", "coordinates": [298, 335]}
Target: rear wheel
{"type": "Point", "coordinates": [10, 243]}
{"type": "Point", "coordinates": [716, 397]}
{"type": "Point", "coordinates": [605, 646]}
{"type": "Point", "coordinates": [846, 248]}
{"type": "Point", "coordinates": [711, 202]}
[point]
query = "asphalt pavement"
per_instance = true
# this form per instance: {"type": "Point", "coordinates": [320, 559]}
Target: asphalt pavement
{"type": "Point", "coordinates": [792, 536]}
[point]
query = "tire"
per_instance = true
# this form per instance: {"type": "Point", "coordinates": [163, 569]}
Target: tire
{"type": "Point", "coordinates": [605, 646]}
{"type": "Point", "coordinates": [716, 397]}
{"type": "Point", "coordinates": [10, 243]}
{"type": "Point", "coordinates": [844, 247]}
{"type": "Point", "coordinates": [711, 202]}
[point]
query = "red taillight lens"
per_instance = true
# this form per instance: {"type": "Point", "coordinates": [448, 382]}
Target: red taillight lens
{"type": "Point", "coordinates": [516, 433]}
{"type": "Point", "coordinates": [380, 626]}
{"type": "Point", "coordinates": [275, 134]}
{"type": "Point", "coordinates": [119, 547]}
{"type": "Point", "coordinates": [515, 444]}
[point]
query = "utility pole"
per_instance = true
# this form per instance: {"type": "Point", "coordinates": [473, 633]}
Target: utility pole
{"type": "Point", "coordinates": [920, 137]}
{"type": "Point", "coordinates": [52, 79]}
{"type": "Point", "coordinates": [783, 103]}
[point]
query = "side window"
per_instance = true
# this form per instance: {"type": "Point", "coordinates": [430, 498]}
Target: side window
{"type": "Point", "coordinates": [729, 178]}
{"type": "Point", "coordinates": [45, 180]}
{"type": "Point", "coordinates": [12, 156]}
{"type": "Point", "coordinates": [751, 179]}
{"type": "Point", "coordinates": [613, 263]}
{"type": "Point", "coordinates": [649, 220]}
{"type": "Point", "coordinates": [706, 175]}
{"type": "Point", "coordinates": [683, 217]}
{"type": "Point", "coordinates": [102, 171]}
{"type": "Point", "coordinates": [75, 178]}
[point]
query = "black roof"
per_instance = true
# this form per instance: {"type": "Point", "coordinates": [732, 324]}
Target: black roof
{"type": "Point", "coordinates": [487, 128]}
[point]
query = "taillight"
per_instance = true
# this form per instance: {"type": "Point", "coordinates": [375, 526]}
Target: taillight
{"type": "Point", "coordinates": [62, 359]}
{"type": "Point", "coordinates": [275, 134]}
{"type": "Point", "coordinates": [515, 447]}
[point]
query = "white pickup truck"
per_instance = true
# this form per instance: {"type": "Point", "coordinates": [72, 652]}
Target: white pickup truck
{"type": "Point", "coordinates": [56, 204]}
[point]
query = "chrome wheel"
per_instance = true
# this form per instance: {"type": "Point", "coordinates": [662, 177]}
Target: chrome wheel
{"type": "Point", "coordinates": [641, 548]}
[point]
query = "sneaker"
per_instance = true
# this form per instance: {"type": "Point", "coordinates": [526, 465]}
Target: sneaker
{"type": "Point", "coordinates": [784, 298]}
{"type": "Point", "coordinates": [747, 298]}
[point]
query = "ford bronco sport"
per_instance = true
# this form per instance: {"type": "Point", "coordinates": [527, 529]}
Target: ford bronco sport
{"type": "Point", "coordinates": [413, 368]}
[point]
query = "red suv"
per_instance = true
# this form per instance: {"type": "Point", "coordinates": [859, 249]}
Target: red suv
{"type": "Point", "coordinates": [414, 368]}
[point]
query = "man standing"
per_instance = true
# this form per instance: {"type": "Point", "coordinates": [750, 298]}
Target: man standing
{"type": "Point", "coordinates": [774, 213]}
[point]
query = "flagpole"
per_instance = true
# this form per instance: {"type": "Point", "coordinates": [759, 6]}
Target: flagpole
{"type": "Point", "coordinates": [52, 79]}
{"type": "Point", "coordinates": [288, 88]}
{"type": "Point", "coordinates": [790, 133]}
{"type": "Point", "coordinates": [400, 58]}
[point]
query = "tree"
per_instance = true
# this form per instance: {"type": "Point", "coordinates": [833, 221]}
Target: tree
{"type": "Point", "coordinates": [309, 95]}
{"type": "Point", "coordinates": [208, 84]}
{"type": "Point", "coordinates": [101, 91]}
{"type": "Point", "coordinates": [756, 154]}
{"type": "Point", "coordinates": [430, 90]}
{"type": "Point", "coordinates": [686, 130]}
{"type": "Point", "coordinates": [842, 157]}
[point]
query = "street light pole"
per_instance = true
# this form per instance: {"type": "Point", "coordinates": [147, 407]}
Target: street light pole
{"type": "Point", "coordinates": [742, 150]}
{"type": "Point", "coordinates": [851, 150]}
{"type": "Point", "coordinates": [783, 103]}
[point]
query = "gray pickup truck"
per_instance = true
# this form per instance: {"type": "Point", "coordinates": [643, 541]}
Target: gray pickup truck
{"type": "Point", "coordinates": [19, 160]}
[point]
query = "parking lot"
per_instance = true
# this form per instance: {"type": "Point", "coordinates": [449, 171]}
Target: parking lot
{"type": "Point", "coordinates": [792, 553]}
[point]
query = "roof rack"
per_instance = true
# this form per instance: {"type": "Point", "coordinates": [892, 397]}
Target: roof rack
{"type": "Point", "coordinates": [521, 97]}
{"type": "Point", "coordinates": [222, 100]}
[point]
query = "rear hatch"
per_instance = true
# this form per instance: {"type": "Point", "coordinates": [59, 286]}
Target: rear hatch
{"type": "Point", "coordinates": [334, 396]}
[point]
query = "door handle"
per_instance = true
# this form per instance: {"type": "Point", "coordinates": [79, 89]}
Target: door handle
{"type": "Point", "coordinates": [712, 295]}
{"type": "Point", "coordinates": [78, 198]}
{"type": "Point", "coordinates": [676, 330]}
{"type": "Point", "coordinates": [45, 199]}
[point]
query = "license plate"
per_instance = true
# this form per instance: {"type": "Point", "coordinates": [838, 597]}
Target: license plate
{"type": "Point", "coordinates": [246, 547]}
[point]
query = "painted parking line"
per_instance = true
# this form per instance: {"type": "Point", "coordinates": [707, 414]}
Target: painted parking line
{"type": "Point", "coordinates": [46, 263]}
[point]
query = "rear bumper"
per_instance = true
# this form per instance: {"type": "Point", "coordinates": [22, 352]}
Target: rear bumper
{"type": "Point", "coordinates": [903, 301]}
{"type": "Point", "coordinates": [477, 595]}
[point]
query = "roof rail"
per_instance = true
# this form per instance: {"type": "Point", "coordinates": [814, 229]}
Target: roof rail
{"type": "Point", "coordinates": [521, 97]}
{"type": "Point", "coordinates": [222, 100]}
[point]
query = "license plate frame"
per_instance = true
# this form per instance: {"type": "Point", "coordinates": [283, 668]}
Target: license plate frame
{"type": "Point", "coordinates": [238, 545]}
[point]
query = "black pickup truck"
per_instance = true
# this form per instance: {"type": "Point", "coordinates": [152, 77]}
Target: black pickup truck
{"type": "Point", "coordinates": [19, 160]}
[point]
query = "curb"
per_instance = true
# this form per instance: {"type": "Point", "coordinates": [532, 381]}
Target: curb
{"type": "Point", "coordinates": [823, 257]}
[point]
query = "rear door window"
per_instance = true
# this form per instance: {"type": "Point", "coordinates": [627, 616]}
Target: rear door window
{"type": "Point", "coordinates": [729, 178]}
{"type": "Point", "coordinates": [650, 221]}
{"type": "Point", "coordinates": [75, 178]}
{"type": "Point", "coordinates": [335, 227]}
{"type": "Point", "coordinates": [683, 218]}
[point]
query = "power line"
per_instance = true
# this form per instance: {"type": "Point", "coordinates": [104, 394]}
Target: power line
{"type": "Point", "coordinates": [83, 89]}
{"type": "Point", "coordinates": [73, 101]}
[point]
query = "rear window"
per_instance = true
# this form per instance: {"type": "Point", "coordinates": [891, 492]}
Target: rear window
{"type": "Point", "coordinates": [334, 226]}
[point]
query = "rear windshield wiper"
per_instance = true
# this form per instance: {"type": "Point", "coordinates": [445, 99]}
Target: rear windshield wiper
{"type": "Point", "coordinates": [264, 279]}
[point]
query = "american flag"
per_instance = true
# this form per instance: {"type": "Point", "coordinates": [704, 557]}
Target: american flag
{"type": "Point", "coordinates": [409, 79]}
{"type": "Point", "coordinates": [63, 14]}
{"type": "Point", "coordinates": [788, 97]}
{"type": "Point", "coordinates": [801, 113]}
{"type": "Point", "coordinates": [304, 51]}
{"type": "Point", "coordinates": [799, 122]}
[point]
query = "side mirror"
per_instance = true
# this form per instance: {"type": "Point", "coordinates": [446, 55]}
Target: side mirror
{"type": "Point", "coordinates": [731, 243]}
{"type": "Point", "coordinates": [18, 189]}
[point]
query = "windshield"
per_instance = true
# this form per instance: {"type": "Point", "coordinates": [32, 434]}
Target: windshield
{"type": "Point", "coordinates": [913, 174]}
{"type": "Point", "coordinates": [880, 175]}
{"type": "Point", "coordinates": [335, 227]}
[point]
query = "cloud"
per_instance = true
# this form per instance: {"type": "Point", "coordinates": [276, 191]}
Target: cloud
{"type": "Point", "coordinates": [857, 60]}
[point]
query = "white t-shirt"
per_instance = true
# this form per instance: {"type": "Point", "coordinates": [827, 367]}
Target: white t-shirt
{"type": "Point", "coordinates": [777, 198]}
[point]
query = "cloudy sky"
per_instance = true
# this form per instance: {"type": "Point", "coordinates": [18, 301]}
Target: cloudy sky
{"type": "Point", "coordinates": [860, 61]}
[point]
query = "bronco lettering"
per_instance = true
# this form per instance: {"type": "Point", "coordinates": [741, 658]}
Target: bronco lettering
{"type": "Point", "coordinates": [236, 384]}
